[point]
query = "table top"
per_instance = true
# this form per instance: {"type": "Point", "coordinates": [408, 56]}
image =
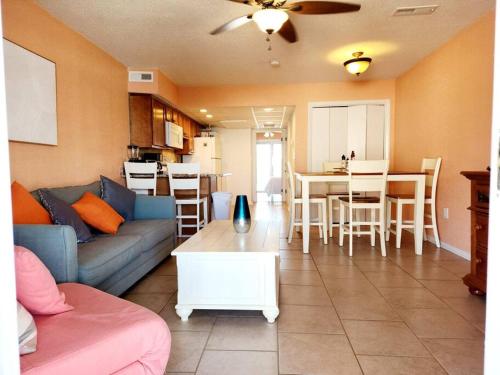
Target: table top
{"type": "Point", "coordinates": [219, 236]}
{"type": "Point", "coordinates": [391, 173]}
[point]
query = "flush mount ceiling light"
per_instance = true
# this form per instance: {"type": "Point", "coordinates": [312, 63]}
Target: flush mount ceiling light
{"type": "Point", "coordinates": [268, 134]}
{"type": "Point", "coordinates": [270, 20]}
{"type": "Point", "coordinates": [268, 109]}
{"type": "Point", "coordinates": [203, 110]}
{"type": "Point", "coordinates": [358, 64]}
{"type": "Point", "coordinates": [210, 116]}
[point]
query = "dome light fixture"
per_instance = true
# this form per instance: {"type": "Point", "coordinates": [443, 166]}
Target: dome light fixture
{"type": "Point", "coordinates": [270, 20]}
{"type": "Point", "coordinates": [358, 64]}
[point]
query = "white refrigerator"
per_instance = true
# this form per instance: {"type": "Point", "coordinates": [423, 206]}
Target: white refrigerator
{"type": "Point", "coordinates": [207, 152]}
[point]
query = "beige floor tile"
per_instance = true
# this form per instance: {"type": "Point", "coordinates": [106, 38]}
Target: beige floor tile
{"type": "Point", "coordinates": [438, 323]}
{"type": "Point", "coordinates": [243, 334]}
{"type": "Point", "coordinates": [238, 362]}
{"type": "Point", "coordinates": [296, 244]}
{"type": "Point", "coordinates": [392, 280]}
{"type": "Point", "coordinates": [337, 260]}
{"type": "Point", "coordinates": [186, 351]}
{"type": "Point", "coordinates": [447, 288]}
{"type": "Point", "coordinates": [288, 277]}
{"type": "Point", "coordinates": [339, 272]}
{"type": "Point", "coordinates": [153, 301]}
{"type": "Point", "coordinates": [316, 354]}
{"type": "Point", "coordinates": [364, 307]}
{"type": "Point", "coordinates": [383, 338]}
{"type": "Point", "coordinates": [426, 272]}
{"type": "Point", "coordinates": [304, 295]}
{"type": "Point", "coordinates": [309, 319]}
{"type": "Point", "coordinates": [411, 298]}
{"type": "Point", "coordinates": [287, 254]}
{"type": "Point", "coordinates": [376, 265]}
{"type": "Point", "coordinates": [350, 287]}
{"type": "Point", "coordinates": [376, 365]}
{"type": "Point", "coordinates": [238, 313]}
{"type": "Point", "coordinates": [297, 264]}
{"type": "Point", "coordinates": [458, 267]}
{"type": "Point", "coordinates": [472, 308]}
{"type": "Point", "coordinates": [156, 284]}
{"type": "Point", "coordinates": [458, 357]}
{"type": "Point", "coordinates": [199, 320]}
{"type": "Point", "coordinates": [167, 268]}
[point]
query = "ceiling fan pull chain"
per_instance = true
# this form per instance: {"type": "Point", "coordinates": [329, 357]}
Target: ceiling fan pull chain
{"type": "Point", "coordinates": [268, 39]}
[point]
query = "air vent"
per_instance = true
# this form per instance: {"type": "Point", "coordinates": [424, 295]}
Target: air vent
{"type": "Point", "coordinates": [268, 125]}
{"type": "Point", "coordinates": [422, 10]}
{"type": "Point", "coordinates": [135, 76]}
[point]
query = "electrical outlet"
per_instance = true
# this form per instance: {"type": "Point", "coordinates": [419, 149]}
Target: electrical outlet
{"type": "Point", "coordinates": [446, 213]}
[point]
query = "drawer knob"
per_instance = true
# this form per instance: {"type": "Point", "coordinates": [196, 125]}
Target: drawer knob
{"type": "Point", "coordinates": [479, 260]}
{"type": "Point", "coordinates": [478, 227]}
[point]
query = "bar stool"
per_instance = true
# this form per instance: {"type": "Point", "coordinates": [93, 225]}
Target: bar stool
{"type": "Point", "coordinates": [319, 199]}
{"type": "Point", "coordinates": [431, 167]}
{"type": "Point", "coordinates": [186, 177]}
{"type": "Point", "coordinates": [141, 177]}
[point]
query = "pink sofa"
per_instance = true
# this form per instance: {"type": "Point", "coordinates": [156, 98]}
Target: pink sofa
{"type": "Point", "coordinates": [102, 335]}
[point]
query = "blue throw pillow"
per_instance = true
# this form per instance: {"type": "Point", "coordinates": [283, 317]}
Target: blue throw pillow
{"type": "Point", "coordinates": [63, 214]}
{"type": "Point", "coordinates": [119, 197]}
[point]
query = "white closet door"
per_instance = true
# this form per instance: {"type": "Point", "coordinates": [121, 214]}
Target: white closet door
{"type": "Point", "coordinates": [356, 131]}
{"type": "Point", "coordinates": [375, 132]}
{"type": "Point", "coordinates": [338, 133]}
{"type": "Point", "coordinates": [320, 138]}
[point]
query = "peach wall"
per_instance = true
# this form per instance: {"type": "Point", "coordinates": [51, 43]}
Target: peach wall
{"type": "Point", "coordinates": [92, 103]}
{"type": "Point", "coordinates": [298, 95]}
{"type": "Point", "coordinates": [443, 108]}
{"type": "Point", "coordinates": [161, 86]}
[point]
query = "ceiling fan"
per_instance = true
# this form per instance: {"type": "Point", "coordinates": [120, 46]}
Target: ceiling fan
{"type": "Point", "coordinates": [273, 17]}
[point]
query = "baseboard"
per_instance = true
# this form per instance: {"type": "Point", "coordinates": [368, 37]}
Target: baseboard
{"type": "Point", "coordinates": [452, 249]}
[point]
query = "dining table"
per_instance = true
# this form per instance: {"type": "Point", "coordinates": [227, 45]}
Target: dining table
{"type": "Point", "coordinates": [418, 178]}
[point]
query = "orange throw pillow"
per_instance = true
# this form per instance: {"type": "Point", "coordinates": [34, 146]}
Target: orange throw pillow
{"type": "Point", "coordinates": [97, 213]}
{"type": "Point", "coordinates": [25, 208]}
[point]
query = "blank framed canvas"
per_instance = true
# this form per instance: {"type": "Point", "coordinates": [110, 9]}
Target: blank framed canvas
{"type": "Point", "coordinates": [30, 82]}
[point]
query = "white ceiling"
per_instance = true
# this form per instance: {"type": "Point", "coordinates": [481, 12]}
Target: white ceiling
{"type": "Point", "coordinates": [173, 35]}
{"type": "Point", "coordinates": [272, 117]}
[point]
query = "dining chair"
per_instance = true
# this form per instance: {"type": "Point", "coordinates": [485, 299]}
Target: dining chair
{"type": "Point", "coordinates": [296, 200]}
{"type": "Point", "coordinates": [141, 177]}
{"type": "Point", "coordinates": [365, 176]}
{"type": "Point", "coordinates": [333, 196]}
{"type": "Point", "coordinates": [185, 178]}
{"type": "Point", "coordinates": [431, 167]}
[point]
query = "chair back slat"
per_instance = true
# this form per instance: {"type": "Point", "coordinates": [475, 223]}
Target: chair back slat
{"type": "Point", "coordinates": [369, 176]}
{"type": "Point", "coordinates": [431, 166]}
{"type": "Point", "coordinates": [291, 179]}
{"type": "Point", "coordinates": [184, 176]}
{"type": "Point", "coordinates": [330, 166]}
{"type": "Point", "coordinates": [141, 177]}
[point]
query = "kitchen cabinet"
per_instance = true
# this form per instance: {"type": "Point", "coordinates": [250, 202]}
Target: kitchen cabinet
{"type": "Point", "coordinates": [148, 114]}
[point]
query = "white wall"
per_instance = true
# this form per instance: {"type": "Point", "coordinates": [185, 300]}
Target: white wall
{"type": "Point", "coordinates": [236, 147]}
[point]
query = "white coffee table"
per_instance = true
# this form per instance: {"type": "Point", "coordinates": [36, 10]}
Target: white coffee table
{"type": "Point", "coordinates": [220, 269]}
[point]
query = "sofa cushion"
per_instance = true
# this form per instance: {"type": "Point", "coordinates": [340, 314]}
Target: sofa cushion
{"type": "Point", "coordinates": [151, 231]}
{"type": "Point", "coordinates": [103, 335]}
{"type": "Point", "coordinates": [118, 197]}
{"type": "Point", "coordinates": [101, 258]}
{"type": "Point", "coordinates": [63, 214]}
{"type": "Point", "coordinates": [97, 213]}
{"type": "Point", "coordinates": [25, 208]}
{"type": "Point", "coordinates": [70, 194]}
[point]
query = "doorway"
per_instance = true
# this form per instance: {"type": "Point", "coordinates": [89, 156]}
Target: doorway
{"type": "Point", "coordinates": [269, 159]}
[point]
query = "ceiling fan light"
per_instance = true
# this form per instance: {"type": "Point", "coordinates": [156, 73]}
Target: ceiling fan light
{"type": "Point", "coordinates": [358, 65]}
{"type": "Point", "coordinates": [270, 20]}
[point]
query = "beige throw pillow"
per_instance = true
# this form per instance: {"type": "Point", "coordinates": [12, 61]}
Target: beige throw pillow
{"type": "Point", "coordinates": [26, 330]}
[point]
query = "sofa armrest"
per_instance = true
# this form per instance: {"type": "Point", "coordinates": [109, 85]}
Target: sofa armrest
{"type": "Point", "coordinates": [55, 245]}
{"type": "Point", "coordinates": [148, 207]}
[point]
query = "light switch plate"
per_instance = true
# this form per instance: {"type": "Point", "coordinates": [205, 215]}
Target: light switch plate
{"type": "Point", "coordinates": [446, 213]}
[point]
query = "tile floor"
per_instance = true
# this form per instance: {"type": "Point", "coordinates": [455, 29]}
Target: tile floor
{"type": "Point", "coordinates": [367, 314]}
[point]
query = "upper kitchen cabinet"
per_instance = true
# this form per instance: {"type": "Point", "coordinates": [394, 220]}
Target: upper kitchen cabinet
{"type": "Point", "coordinates": [158, 123]}
{"type": "Point", "coordinates": [141, 129]}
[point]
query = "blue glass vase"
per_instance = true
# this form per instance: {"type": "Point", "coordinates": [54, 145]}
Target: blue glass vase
{"type": "Point", "coordinates": [241, 218]}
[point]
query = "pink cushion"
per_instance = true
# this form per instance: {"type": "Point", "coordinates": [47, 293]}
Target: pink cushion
{"type": "Point", "coordinates": [102, 335]}
{"type": "Point", "coordinates": [36, 288]}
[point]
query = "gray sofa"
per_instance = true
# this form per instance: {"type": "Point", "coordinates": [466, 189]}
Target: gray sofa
{"type": "Point", "coordinates": [109, 263]}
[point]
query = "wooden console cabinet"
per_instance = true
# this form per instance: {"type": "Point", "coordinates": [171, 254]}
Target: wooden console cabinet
{"type": "Point", "coordinates": [479, 208]}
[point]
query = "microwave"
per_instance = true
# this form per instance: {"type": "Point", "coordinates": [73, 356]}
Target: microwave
{"type": "Point", "coordinates": [173, 135]}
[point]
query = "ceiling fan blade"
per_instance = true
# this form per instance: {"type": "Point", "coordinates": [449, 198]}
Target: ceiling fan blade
{"type": "Point", "coordinates": [231, 25]}
{"type": "Point", "coordinates": [246, 2]}
{"type": "Point", "coordinates": [322, 7]}
{"type": "Point", "coordinates": [287, 31]}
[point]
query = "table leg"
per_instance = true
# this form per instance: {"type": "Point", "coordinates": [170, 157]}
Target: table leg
{"type": "Point", "coordinates": [271, 314]}
{"type": "Point", "coordinates": [305, 216]}
{"type": "Point", "coordinates": [183, 312]}
{"type": "Point", "coordinates": [418, 214]}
